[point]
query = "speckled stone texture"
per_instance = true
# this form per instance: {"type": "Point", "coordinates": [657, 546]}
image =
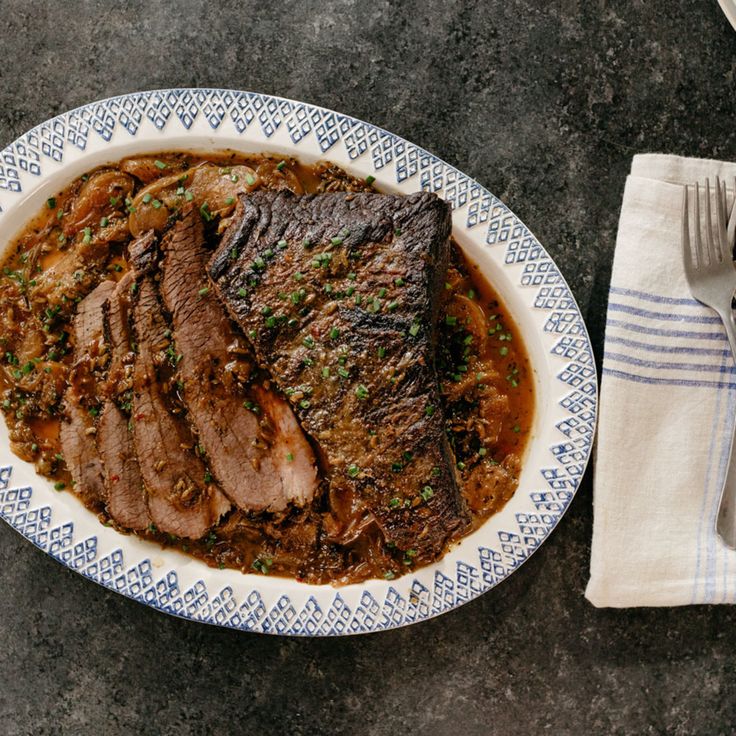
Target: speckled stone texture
{"type": "Point", "coordinates": [544, 102]}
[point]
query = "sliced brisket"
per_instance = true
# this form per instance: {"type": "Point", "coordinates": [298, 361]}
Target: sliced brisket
{"type": "Point", "coordinates": [254, 445]}
{"type": "Point", "coordinates": [338, 294]}
{"type": "Point", "coordinates": [182, 498]}
{"type": "Point", "coordinates": [77, 433]}
{"type": "Point", "coordinates": [126, 501]}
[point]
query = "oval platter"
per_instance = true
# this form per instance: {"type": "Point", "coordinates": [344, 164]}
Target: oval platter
{"type": "Point", "coordinates": [41, 162]}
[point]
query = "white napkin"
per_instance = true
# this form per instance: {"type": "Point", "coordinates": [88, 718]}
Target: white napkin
{"type": "Point", "coordinates": [667, 407]}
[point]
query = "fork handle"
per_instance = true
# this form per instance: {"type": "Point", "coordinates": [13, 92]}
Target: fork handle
{"type": "Point", "coordinates": [726, 518]}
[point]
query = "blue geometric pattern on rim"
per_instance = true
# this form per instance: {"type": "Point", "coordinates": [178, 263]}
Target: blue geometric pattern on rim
{"type": "Point", "coordinates": [403, 161]}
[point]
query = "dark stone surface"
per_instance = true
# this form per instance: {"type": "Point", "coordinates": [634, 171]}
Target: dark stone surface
{"type": "Point", "coordinates": [543, 101]}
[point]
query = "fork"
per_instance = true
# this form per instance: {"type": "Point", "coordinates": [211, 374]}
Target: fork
{"type": "Point", "coordinates": [711, 276]}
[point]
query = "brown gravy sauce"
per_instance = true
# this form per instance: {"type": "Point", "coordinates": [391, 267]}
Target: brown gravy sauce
{"type": "Point", "coordinates": [485, 373]}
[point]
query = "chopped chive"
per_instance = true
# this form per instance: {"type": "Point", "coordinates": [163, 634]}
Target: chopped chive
{"type": "Point", "coordinates": [336, 241]}
{"type": "Point", "coordinates": [343, 373]}
{"type": "Point", "coordinates": [429, 410]}
{"type": "Point", "coordinates": [516, 428]}
{"type": "Point", "coordinates": [298, 276]}
{"type": "Point", "coordinates": [87, 235]}
{"type": "Point", "coordinates": [114, 201]}
{"type": "Point", "coordinates": [204, 210]}
{"type": "Point", "coordinates": [271, 321]}
{"type": "Point", "coordinates": [146, 198]}
{"type": "Point", "coordinates": [353, 471]}
{"type": "Point", "coordinates": [204, 290]}
{"type": "Point", "coordinates": [382, 292]}
{"type": "Point", "coordinates": [399, 281]}
{"type": "Point", "coordinates": [51, 202]}
{"type": "Point", "coordinates": [208, 477]}
{"type": "Point", "coordinates": [305, 403]}
{"type": "Point", "coordinates": [308, 341]}
{"type": "Point", "coordinates": [289, 457]}
{"type": "Point", "coordinates": [250, 180]}
{"type": "Point", "coordinates": [392, 305]}
{"type": "Point", "coordinates": [242, 291]}
{"type": "Point", "coordinates": [188, 196]}
{"type": "Point", "coordinates": [334, 333]}
{"type": "Point", "coordinates": [450, 320]}
{"type": "Point", "coordinates": [471, 294]}
{"type": "Point", "coordinates": [59, 486]}
{"type": "Point", "coordinates": [280, 165]}
{"type": "Point", "coordinates": [351, 276]}
{"type": "Point", "coordinates": [156, 204]}
{"type": "Point", "coordinates": [160, 164]}
{"type": "Point", "coordinates": [282, 244]}
{"type": "Point", "coordinates": [482, 451]}
{"type": "Point", "coordinates": [394, 503]}
{"type": "Point", "coordinates": [361, 391]}
{"type": "Point", "coordinates": [325, 372]}
{"type": "Point", "coordinates": [503, 351]}
{"type": "Point", "coordinates": [414, 329]}
{"type": "Point", "coordinates": [381, 352]}
{"type": "Point", "coordinates": [426, 493]}
{"type": "Point", "coordinates": [104, 221]}
{"type": "Point", "coordinates": [369, 180]}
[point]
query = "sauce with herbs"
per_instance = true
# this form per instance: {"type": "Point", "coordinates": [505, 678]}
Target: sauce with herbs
{"type": "Point", "coordinates": [79, 239]}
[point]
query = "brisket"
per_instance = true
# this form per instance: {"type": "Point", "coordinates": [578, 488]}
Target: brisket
{"type": "Point", "coordinates": [183, 499]}
{"type": "Point", "coordinates": [126, 501]}
{"type": "Point", "coordinates": [339, 295]}
{"type": "Point", "coordinates": [77, 432]}
{"type": "Point", "coordinates": [254, 445]}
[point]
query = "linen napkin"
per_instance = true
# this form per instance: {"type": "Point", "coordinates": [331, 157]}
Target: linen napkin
{"type": "Point", "coordinates": [666, 415]}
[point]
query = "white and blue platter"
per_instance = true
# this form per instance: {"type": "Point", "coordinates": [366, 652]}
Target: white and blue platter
{"type": "Point", "coordinates": [44, 160]}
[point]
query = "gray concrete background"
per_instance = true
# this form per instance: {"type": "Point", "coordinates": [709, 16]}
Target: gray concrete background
{"type": "Point", "coordinates": [544, 102]}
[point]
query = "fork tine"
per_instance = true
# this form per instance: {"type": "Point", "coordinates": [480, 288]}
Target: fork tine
{"type": "Point", "coordinates": [699, 255]}
{"type": "Point", "coordinates": [721, 245]}
{"type": "Point", "coordinates": [710, 245]}
{"type": "Point", "coordinates": [724, 200]}
{"type": "Point", "coordinates": [687, 253]}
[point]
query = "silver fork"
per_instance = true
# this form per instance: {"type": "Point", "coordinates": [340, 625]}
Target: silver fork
{"type": "Point", "coordinates": [711, 276]}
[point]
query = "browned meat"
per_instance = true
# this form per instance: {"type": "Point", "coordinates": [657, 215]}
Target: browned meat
{"type": "Point", "coordinates": [182, 498]}
{"type": "Point", "coordinates": [126, 501]}
{"type": "Point", "coordinates": [77, 433]}
{"type": "Point", "coordinates": [338, 293]}
{"type": "Point", "coordinates": [255, 447]}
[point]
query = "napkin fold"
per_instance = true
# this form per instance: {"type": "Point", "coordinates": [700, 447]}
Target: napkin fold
{"type": "Point", "coordinates": [666, 414]}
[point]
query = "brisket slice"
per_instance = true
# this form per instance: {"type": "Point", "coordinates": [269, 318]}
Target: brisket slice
{"type": "Point", "coordinates": [126, 501]}
{"type": "Point", "coordinates": [339, 296]}
{"type": "Point", "coordinates": [182, 499]}
{"type": "Point", "coordinates": [259, 454]}
{"type": "Point", "coordinates": [77, 433]}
